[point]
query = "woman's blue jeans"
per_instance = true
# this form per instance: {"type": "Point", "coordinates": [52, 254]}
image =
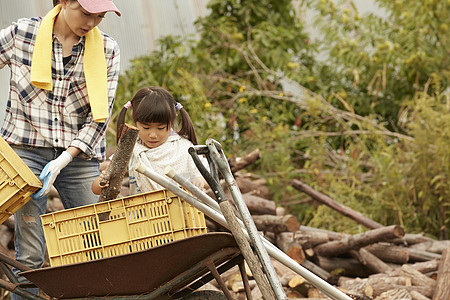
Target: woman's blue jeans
{"type": "Point", "coordinates": [74, 187]}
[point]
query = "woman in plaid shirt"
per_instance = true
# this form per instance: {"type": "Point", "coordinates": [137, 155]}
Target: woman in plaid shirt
{"type": "Point", "coordinates": [54, 131]}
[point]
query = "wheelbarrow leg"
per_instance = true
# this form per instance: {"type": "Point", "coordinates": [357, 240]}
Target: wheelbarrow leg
{"type": "Point", "coordinates": [13, 285]}
{"type": "Point", "coordinates": [9, 273]}
{"type": "Point", "coordinates": [244, 276]}
{"type": "Point", "coordinates": [13, 288]}
{"type": "Point", "coordinates": [199, 267]}
{"type": "Point", "coordinates": [212, 268]}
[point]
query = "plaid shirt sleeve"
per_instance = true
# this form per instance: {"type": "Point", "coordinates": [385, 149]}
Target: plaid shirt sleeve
{"type": "Point", "coordinates": [6, 44]}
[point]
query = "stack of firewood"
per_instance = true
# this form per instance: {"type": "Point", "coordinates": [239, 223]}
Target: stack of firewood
{"type": "Point", "coordinates": [381, 263]}
{"type": "Point", "coordinates": [384, 262]}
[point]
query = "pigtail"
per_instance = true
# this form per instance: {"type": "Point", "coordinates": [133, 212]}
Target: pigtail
{"type": "Point", "coordinates": [187, 128]}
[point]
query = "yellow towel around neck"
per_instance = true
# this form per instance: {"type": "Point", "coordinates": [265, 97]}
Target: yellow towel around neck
{"type": "Point", "coordinates": [94, 64]}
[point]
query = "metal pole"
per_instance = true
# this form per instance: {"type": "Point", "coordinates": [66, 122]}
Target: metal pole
{"type": "Point", "coordinates": [214, 214]}
{"type": "Point", "coordinates": [261, 251]}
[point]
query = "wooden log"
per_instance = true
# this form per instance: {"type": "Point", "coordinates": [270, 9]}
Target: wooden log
{"type": "Point", "coordinates": [427, 267]}
{"type": "Point", "coordinates": [309, 252]}
{"type": "Point", "coordinates": [280, 211]}
{"type": "Point", "coordinates": [293, 294]}
{"type": "Point", "coordinates": [296, 281]}
{"type": "Point", "coordinates": [332, 235]}
{"type": "Point", "coordinates": [344, 210]}
{"type": "Point", "coordinates": [325, 275]}
{"type": "Point", "coordinates": [238, 286]}
{"type": "Point", "coordinates": [314, 292]}
{"type": "Point", "coordinates": [359, 240]}
{"type": "Point", "coordinates": [432, 246]}
{"type": "Point", "coordinates": [352, 285]}
{"type": "Point", "coordinates": [238, 163]}
{"type": "Point", "coordinates": [343, 266]}
{"type": "Point", "coordinates": [358, 285]}
{"type": "Point", "coordinates": [293, 249]}
{"type": "Point", "coordinates": [370, 261]}
{"type": "Point", "coordinates": [210, 286]}
{"type": "Point", "coordinates": [415, 295]}
{"type": "Point", "coordinates": [443, 277]}
{"type": "Point", "coordinates": [276, 224]}
{"type": "Point", "coordinates": [259, 206]}
{"type": "Point", "coordinates": [256, 293]}
{"type": "Point", "coordinates": [282, 270]}
{"type": "Point", "coordinates": [417, 278]}
{"type": "Point", "coordinates": [389, 253]}
{"type": "Point", "coordinates": [378, 288]}
{"type": "Point", "coordinates": [306, 241]}
{"type": "Point", "coordinates": [398, 293]}
{"type": "Point", "coordinates": [255, 187]}
{"type": "Point", "coordinates": [299, 284]}
{"type": "Point", "coordinates": [119, 164]}
{"type": "Point", "coordinates": [411, 239]}
{"type": "Point", "coordinates": [310, 239]}
{"type": "Point", "coordinates": [270, 236]}
{"type": "Point", "coordinates": [232, 279]}
{"type": "Point", "coordinates": [399, 254]}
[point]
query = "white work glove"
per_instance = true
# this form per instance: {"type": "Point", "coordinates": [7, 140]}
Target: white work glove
{"type": "Point", "coordinates": [50, 171]}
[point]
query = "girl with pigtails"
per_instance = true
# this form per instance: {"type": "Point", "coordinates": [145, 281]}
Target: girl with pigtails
{"type": "Point", "coordinates": [159, 145]}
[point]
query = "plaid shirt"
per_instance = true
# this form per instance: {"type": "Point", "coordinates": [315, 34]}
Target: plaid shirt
{"type": "Point", "coordinates": [62, 117]}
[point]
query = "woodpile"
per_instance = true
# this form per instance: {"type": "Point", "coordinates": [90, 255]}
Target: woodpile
{"type": "Point", "coordinates": [383, 262]}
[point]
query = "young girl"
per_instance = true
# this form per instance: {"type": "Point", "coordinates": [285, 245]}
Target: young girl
{"type": "Point", "coordinates": [159, 145]}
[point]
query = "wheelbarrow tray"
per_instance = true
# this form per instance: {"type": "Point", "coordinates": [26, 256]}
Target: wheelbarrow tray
{"type": "Point", "coordinates": [134, 273]}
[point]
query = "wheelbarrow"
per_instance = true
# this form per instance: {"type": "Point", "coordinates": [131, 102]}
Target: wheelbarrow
{"type": "Point", "coordinates": [218, 163]}
{"type": "Point", "coordinates": [169, 271]}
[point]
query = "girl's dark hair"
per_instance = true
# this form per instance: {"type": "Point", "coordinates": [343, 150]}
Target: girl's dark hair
{"type": "Point", "coordinates": [55, 2]}
{"type": "Point", "coordinates": [156, 105]}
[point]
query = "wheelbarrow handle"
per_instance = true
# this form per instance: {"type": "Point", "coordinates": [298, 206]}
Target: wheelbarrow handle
{"type": "Point", "coordinates": [213, 183]}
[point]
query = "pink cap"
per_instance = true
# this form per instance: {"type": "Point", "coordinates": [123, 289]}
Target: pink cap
{"type": "Point", "coordinates": [99, 6]}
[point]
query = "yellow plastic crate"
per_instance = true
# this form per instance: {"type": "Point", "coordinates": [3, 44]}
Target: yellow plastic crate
{"type": "Point", "coordinates": [17, 181]}
{"type": "Point", "coordinates": [119, 226]}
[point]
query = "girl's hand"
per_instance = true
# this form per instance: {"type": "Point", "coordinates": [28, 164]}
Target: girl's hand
{"type": "Point", "coordinates": [100, 178]}
{"type": "Point", "coordinates": [96, 187]}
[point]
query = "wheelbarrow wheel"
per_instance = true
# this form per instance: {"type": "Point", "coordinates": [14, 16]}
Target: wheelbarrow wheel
{"type": "Point", "coordinates": [205, 295]}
